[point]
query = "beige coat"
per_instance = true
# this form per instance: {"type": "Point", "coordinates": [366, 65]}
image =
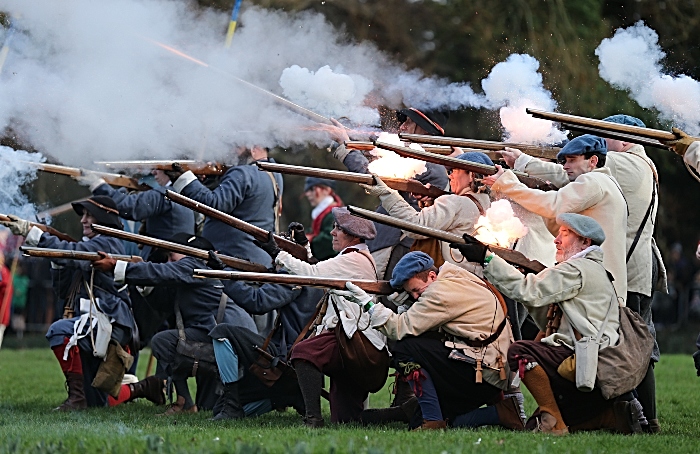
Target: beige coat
{"type": "Point", "coordinates": [459, 304]}
{"type": "Point", "coordinates": [353, 265]}
{"type": "Point", "coordinates": [595, 194]}
{"type": "Point", "coordinates": [692, 159]}
{"type": "Point", "coordinates": [579, 285]}
{"type": "Point", "coordinates": [451, 213]}
{"type": "Point", "coordinates": [635, 173]}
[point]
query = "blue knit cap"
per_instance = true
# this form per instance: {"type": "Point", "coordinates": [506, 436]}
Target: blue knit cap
{"type": "Point", "coordinates": [625, 120]}
{"type": "Point", "coordinates": [476, 156]}
{"type": "Point", "coordinates": [586, 143]}
{"type": "Point", "coordinates": [410, 265]}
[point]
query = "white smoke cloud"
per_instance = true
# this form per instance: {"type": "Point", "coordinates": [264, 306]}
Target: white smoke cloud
{"type": "Point", "coordinates": [14, 173]}
{"type": "Point", "coordinates": [630, 60]}
{"type": "Point", "coordinates": [390, 164]}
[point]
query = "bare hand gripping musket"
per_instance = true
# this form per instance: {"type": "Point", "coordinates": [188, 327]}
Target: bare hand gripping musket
{"type": "Point", "coordinates": [412, 186]}
{"type": "Point", "coordinates": [513, 257]}
{"type": "Point", "coordinates": [531, 182]}
{"type": "Point", "coordinates": [45, 228]}
{"type": "Point", "coordinates": [73, 255]}
{"type": "Point", "coordinates": [111, 178]}
{"type": "Point", "coordinates": [532, 150]}
{"type": "Point", "coordinates": [233, 262]}
{"type": "Point", "coordinates": [196, 167]}
{"type": "Point", "coordinates": [256, 232]}
{"type": "Point", "coordinates": [376, 287]}
{"type": "Point", "coordinates": [635, 134]}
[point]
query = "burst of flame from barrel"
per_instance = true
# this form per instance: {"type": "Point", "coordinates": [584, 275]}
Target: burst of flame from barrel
{"type": "Point", "coordinates": [500, 226]}
{"type": "Point", "coordinates": [390, 164]}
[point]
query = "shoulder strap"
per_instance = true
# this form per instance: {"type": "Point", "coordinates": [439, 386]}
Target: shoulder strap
{"type": "Point", "coordinates": [272, 332]}
{"type": "Point", "coordinates": [501, 326]}
{"type": "Point", "coordinates": [319, 306]}
{"type": "Point", "coordinates": [478, 204]}
{"type": "Point", "coordinates": [178, 322]}
{"type": "Point", "coordinates": [644, 222]}
{"type": "Point", "coordinates": [277, 206]}
{"type": "Point", "coordinates": [222, 307]}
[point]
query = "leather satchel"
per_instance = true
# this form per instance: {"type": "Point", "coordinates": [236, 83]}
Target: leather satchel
{"type": "Point", "coordinates": [202, 353]}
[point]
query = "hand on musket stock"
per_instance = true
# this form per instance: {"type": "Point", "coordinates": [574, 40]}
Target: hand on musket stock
{"type": "Point", "coordinates": [379, 189]}
{"type": "Point", "coordinates": [175, 173]}
{"type": "Point", "coordinates": [473, 250]}
{"type": "Point", "coordinates": [214, 262]}
{"type": "Point", "coordinates": [681, 143]}
{"type": "Point", "coordinates": [491, 179]}
{"type": "Point", "coordinates": [510, 155]}
{"type": "Point", "coordinates": [106, 264]}
{"type": "Point", "coordinates": [270, 246]}
{"type": "Point", "coordinates": [354, 294]}
{"type": "Point", "coordinates": [296, 232]}
{"type": "Point", "coordinates": [17, 225]}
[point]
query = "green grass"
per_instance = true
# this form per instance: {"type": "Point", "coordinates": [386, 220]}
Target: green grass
{"type": "Point", "coordinates": [31, 384]}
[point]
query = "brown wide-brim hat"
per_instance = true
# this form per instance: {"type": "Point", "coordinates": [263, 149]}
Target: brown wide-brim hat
{"type": "Point", "coordinates": [353, 225]}
{"type": "Point", "coordinates": [102, 208]}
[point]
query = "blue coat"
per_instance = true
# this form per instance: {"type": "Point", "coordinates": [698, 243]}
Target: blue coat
{"type": "Point", "coordinates": [113, 302]}
{"type": "Point", "coordinates": [197, 298]}
{"type": "Point", "coordinates": [163, 218]}
{"type": "Point", "coordinates": [246, 193]}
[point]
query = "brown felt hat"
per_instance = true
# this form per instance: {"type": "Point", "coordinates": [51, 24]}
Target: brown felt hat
{"type": "Point", "coordinates": [353, 225]}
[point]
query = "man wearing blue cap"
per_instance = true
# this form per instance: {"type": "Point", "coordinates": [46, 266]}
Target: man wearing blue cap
{"type": "Point", "coordinates": [455, 213]}
{"type": "Point", "coordinates": [592, 191]}
{"type": "Point", "coordinates": [451, 342]}
{"type": "Point", "coordinates": [320, 193]}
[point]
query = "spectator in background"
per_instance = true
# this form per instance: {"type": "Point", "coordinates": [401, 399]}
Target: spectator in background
{"type": "Point", "coordinates": [5, 296]}
{"type": "Point", "coordinates": [321, 195]}
{"type": "Point", "coordinates": [20, 287]}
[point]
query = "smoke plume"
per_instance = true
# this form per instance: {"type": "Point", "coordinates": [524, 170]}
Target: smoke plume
{"type": "Point", "coordinates": [631, 60]}
{"type": "Point", "coordinates": [14, 173]}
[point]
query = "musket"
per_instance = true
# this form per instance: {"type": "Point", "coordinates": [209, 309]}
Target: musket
{"type": "Point", "coordinates": [256, 232]}
{"type": "Point", "coordinates": [538, 151]}
{"type": "Point", "coordinates": [196, 167]}
{"type": "Point", "coordinates": [369, 286]}
{"type": "Point", "coordinates": [633, 131]}
{"type": "Point", "coordinates": [111, 178]}
{"type": "Point", "coordinates": [233, 262]}
{"type": "Point", "coordinates": [437, 149]}
{"type": "Point", "coordinates": [73, 255]}
{"type": "Point", "coordinates": [616, 135]}
{"type": "Point", "coordinates": [447, 161]}
{"type": "Point", "coordinates": [412, 186]}
{"type": "Point", "coordinates": [44, 228]}
{"type": "Point", "coordinates": [513, 257]}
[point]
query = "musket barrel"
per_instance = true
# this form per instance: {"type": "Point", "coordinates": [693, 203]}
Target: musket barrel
{"type": "Point", "coordinates": [617, 135]}
{"type": "Point", "coordinates": [530, 149]}
{"type": "Point", "coordinates": [72, 255]}
{"type": "Point", "coordinates": [178, 248]}
{"type": "Point", "coordinates": [649, 133]}
{"type": "Point", "coordinates": [256, 232]}
{"type": "Point", "coordinates": [369, 146]}
{"type": "Point", "coordinates": [513, 257]}
{"type": "Point", "coordinates": [44, 228]}
{"type": "Point", "coordinates": [376, 287]}
{"type": "Point", "coordinates": [196, 167]}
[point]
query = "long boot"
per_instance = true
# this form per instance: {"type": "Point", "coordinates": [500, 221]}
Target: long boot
{"type": "Point", "coordinates": [310, 383]}
{"type": "Point", "coordinates": [508, 411]}
{"type": "Point", "coordinates": [402, 413]}
{"type": "Point", "coordinates": [151, 388]}
{"type": "Point", "coordinates": [231, 405]}
{"type": "Point", "coordinates": [538, 384]}
{"type": "Point", "coordinates": [76, 393]}
{"type": "Point", "coordinates": [402, 392]}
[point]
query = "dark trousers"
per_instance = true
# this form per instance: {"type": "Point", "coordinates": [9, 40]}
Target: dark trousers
{"type": "Point", "coordinates": [178, 367]}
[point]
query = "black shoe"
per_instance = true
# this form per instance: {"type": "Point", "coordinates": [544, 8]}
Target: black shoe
{"type": "Point", "coordinates": [313, 422]}
{"type": "Point", "coordinates": [151, 388]}
{"type": "Point", "coordinates": [230, 404]}
{"type": "Point", "coordinates": [402, 413]}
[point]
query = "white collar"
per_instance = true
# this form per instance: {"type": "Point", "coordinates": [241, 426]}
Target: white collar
{"type": "Point", "coordinates": [323, 204]}
{"type": "Point", "coordinates": [359, 247]}
{"type": "Point", "coordinates": [584, 252]}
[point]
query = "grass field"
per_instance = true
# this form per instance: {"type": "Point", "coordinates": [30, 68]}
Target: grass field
{"type": "Point", "coordinates": [31, 384]}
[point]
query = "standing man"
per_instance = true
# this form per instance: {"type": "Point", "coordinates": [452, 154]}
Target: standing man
{"type": "Point", "coordinates": [245, 192]}
{"type": "Point", "coordinates": [320, 193]}
{"type": "Point", "coordinates": [592, 192]}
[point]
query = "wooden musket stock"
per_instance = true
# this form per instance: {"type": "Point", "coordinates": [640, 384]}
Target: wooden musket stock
{"type": "Point", "coordinates": [196, 167]}
{"type": "Point", "coordinates": [513, 257]}
{"type": "Point", "coordinates": [256, 232]}
{"type": "Point", "coordinates": [532, 150]}
{"type": "Point", "coordinates": [44, 228]}
{"type": "Point", "coordinates": [616, 135]}
{"type": "Point", "coordinates": [447, 161]}
{"type": "Point", "coordinates": [412, 186]}
{"type": "Point", "coordinates": [233, 262]}
{"type": "Point", "coordinates": [73, 255]}
{"type": "Point", "coordinates": [111, 178]}
{"type": "Point", "coordinates": [376, 287]}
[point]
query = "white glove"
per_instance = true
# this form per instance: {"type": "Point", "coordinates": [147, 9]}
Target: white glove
{"type": "Point", "coordinates": [91, 180]}
{"type": "Point", "coordinates": [378, 189]}
{"type": "Point", "coordinates": [697, 252]}
{"type": "Point", "coordinates": [398, 298]}
{"type": "Point", "coordinates": [17, 225]}
{"type": "Point", "coordinates": [354, 294]}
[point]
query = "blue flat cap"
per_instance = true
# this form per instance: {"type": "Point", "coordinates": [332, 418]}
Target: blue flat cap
{"type": "Point", "coordinates": [354, 225]}
{"type": "Point", "coordinates": [585, 226]}
{"type": "Point", "coordinates": [476, 156]}
{"type": "Point", "coordinates": [313, 181]}
{"type": "Point", "coordinates": [410, 265]}
{"type": "Point", "coordinates": [625, 120]}
{"type": "Point", "coordinates": [587, 143]}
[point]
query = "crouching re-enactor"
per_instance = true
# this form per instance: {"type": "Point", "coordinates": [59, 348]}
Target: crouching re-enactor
{"type": "Point", "coordinates": [451, 343]}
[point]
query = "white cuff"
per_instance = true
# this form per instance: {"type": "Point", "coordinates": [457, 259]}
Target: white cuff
{"type": "Point", "coordinates": [120, 272]}
{"type": "Point", "coordinates": [380, 315]}
{"type": "Point", "coordinates": [99, 182]}
{"type": "Point", "coordinates": [522, 161]}
{"type": "Point", "coordinates": [145, 291]}
{"type": "Point", "coordinates": [34, 236]}
{"type": "Point", "coordinates": [185, 179]}
{"type": "Point", "coordinates": [56, 266]}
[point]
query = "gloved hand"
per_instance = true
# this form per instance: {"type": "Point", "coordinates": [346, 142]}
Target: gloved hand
{"type": "Point", "coordinates": [354, 294]}
{"type": "Point", "coordinates": [17, 225]}
{"type": "Point", "coordinates": [270, 246]}
{"type": "Point", "coordinates": [399, 298]}
{"type": "Point", "coordinates": [91, 180]}
{"type": "Point", "coordinates": [696, 358]}
{"type": "Point", "coordinates": [215, 262]}
{"type": "Point", "coordinates": [296, 233]}
{"type": "Point", "coordinates": [106, 264]}
{"type": "Point", "coordinates": [473, 251]}
{"type": "Point", "coordinates": [681, 144]}
{"type": "Point", "coordinates": [378, 189]}
{"type": "Point", "coordinates": [175, 173]}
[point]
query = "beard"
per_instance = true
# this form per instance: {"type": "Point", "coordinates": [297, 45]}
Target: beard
{"type": "Point", "coordinates": [565, 254]}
